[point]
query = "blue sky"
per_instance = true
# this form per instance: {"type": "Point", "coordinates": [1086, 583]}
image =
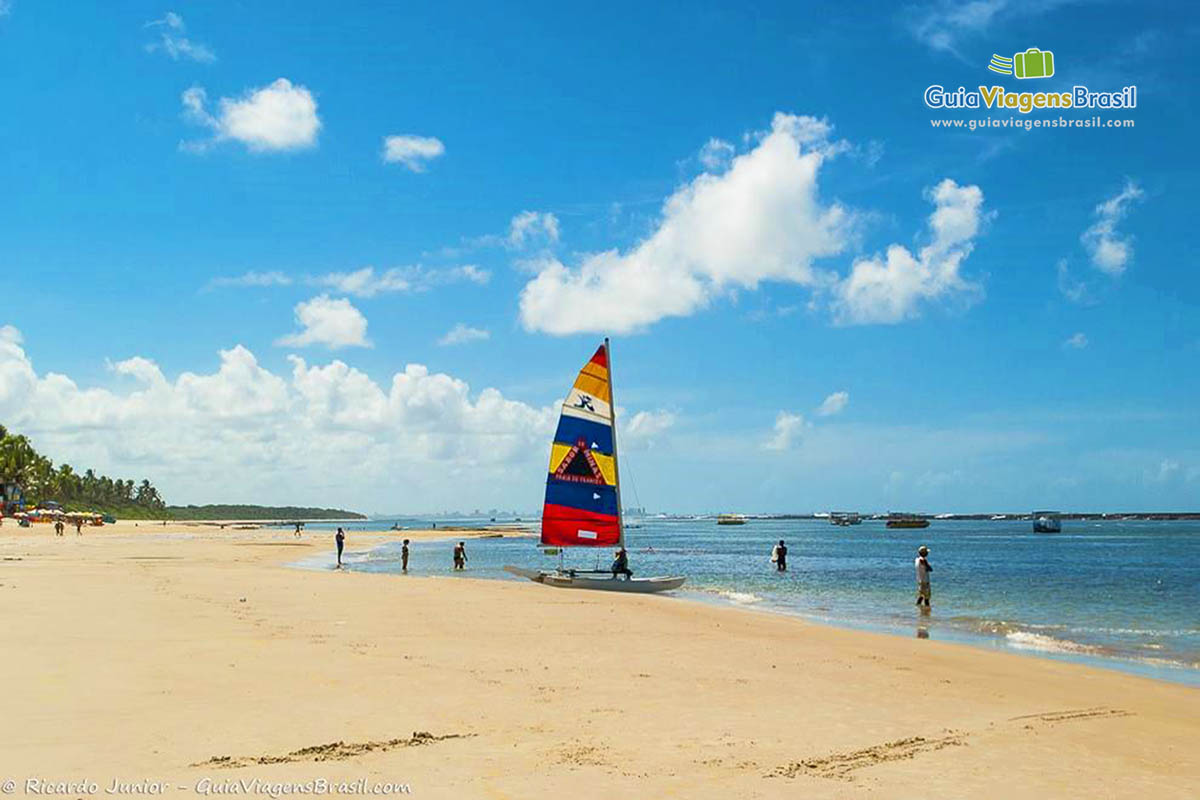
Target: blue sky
{"type": "Point", "coordinates": [751, 200]}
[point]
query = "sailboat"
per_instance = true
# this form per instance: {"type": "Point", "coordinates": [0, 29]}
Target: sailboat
{"type": "Point", "coordinates": [583, 487]}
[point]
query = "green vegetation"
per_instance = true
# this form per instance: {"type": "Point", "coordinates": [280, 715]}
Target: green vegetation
{"type": "Point", "coordinates": [223, 512]}
{"type": "Point", "coordinates": [40, 481]}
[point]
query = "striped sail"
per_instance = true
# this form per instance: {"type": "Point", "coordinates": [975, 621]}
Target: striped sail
{"type": "Point", "coordinates": [582, 502]}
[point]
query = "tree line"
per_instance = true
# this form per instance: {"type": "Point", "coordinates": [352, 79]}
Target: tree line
{"type": "Point", "coordinates": [41, 481]}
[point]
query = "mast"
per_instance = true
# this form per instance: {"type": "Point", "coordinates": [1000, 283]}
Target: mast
{"type": "Point", "coordinates": [612, 418]}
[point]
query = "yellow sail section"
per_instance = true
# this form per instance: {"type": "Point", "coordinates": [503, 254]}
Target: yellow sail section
{"type": "Point", "coordinates": [560, 452]}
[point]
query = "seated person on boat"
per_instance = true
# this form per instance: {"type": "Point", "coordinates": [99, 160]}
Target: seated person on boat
{"type": "Point", "coordinates": [620, 565]}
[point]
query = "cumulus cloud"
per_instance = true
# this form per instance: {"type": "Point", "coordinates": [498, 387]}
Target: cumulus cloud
{"type": "Point", "coordinates": [462, 334]}
{"type": "Point", "coordinates": [1076, 342]}
{"type": "Point", "coordinates": [175, 44]}
{"type": "Point", "coordinates": [760, 220]}
{"type": "Point", "coordinates": [789, 429]}
{"type": "Point", "coordinates": [414, 152]}
{"type": "Point", "coordinates": [311, 434]}
{"type": "Point", "coordinates": [533, 227]}
{"type": "Point", "coordinates": [892, 288]}
{"type": "Point", "coordinates": [279, 117]}
{"type": "Point", "coordinates": [332, 322]}
{"type": "Point", "coordinates": [1109, 251]}
{"type": "Point", "coordinates": [833, 404]}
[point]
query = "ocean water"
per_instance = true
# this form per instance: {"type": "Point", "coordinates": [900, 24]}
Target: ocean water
{"type": "Point", "coordinates": [1120, 594]}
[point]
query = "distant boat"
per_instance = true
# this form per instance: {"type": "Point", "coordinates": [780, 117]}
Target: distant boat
{"type": "Point", "coordinates": [1047, 522]}
{"type": "Point", "coordinates": [731, 519]}
{"type": "Point", "coordinates": [906, 521]}
{"type": "Point", "coordinates": [844, 518]}
{"type": "Point", "coordinates": [996, 517]}
{"type": "Point", "coordinates": [583, 488]}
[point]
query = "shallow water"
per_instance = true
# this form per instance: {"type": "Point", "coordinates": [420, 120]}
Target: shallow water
{"type": "Point", "coordinates": [1118, 594]}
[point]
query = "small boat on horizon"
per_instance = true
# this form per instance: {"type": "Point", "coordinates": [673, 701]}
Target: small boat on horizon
{"type": "Point", "coordinates": [1047, 522]}
{"type": "Point", "coordinates": [907, 521]}
{"type": "Point", "coordinates": [731, 519]}
{"type": "Point", "coordinates": [583, 488]}
{"type": "Point", "coordinates": [845, 519]}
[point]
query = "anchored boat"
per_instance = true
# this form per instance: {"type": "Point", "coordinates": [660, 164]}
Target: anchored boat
{"type": "Point", "coordinates": [583, 488]}
{"type": "Point", "coordinates": [1047, 522]}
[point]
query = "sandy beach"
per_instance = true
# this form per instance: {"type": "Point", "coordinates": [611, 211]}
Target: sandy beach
{"type": "Point", "coordinates": [197, 658]}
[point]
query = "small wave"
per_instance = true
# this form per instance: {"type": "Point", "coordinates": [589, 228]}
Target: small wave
{"type": "Point", "coordinates": [745, 598]}
{"type": "Point", "coordinates": [1024, 640]}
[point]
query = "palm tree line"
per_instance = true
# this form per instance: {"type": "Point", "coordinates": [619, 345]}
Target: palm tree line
{"type": "Point", "coordinates": [40, 481]}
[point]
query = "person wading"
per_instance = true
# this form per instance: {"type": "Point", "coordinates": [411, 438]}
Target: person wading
{"type": "Point", "coordinates": [779, 556]}
{"type": "Point", "coordinates": [923, 570]}
{"type": "Point", "coordinates": [340, 540]}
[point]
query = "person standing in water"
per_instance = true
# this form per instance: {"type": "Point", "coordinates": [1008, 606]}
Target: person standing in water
{"type": "Point", "coordinates": [340, 539]}
{"type": "Point", "coordinates": [923, 570]}
{"type": "Point", "coordinates": [404, 556]}
{"type": "Point", "coordinates": [779, 556]}
{"type": "Point", "coordinates": [460, 555]}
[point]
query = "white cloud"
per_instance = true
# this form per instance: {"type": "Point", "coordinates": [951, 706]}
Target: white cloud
{"type": "Point", "coordinates": [893, 288]}
{"type": "Point", "coordinates": [833, 404]}
{"type": "Point", "coordinates": [761, 220]}
{"type": "Point", "coordinates": [789, 429]}
{"type": "Point", "coordinates": [413, 152]}
{"type": "Point", "coordinates": [645, 427]}
{"type": "Point", "coordinates": [1076, 342]}
{"type": "Point", "coordinates": [311, 435]}
{"type": "Point", "coordinates": [252, 278]}
{"type": "Point", "coordinates": [1110, 252]}
{"type": "Point", "coordinates": [462, 334]}
{"type": "Point", "coordinates": [275, 118]}
{"type": "Point", "coordinates": [533, 227]}
{"type": "Point", "coordinates": [175, 44]}
{"type": "Point", "coordinates": [366, 282]}
{"type": "Point", "coordinates": [716, 153]}
{"type": "Point", "coordinates": [332, 322]}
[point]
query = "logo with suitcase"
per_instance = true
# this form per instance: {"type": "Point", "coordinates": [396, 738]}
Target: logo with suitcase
{"type": "Point", "coordinates": [1033, 63]}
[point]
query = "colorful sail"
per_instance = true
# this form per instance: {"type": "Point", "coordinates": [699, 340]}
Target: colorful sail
{"type": "Point", "coordinates": [581, 489]}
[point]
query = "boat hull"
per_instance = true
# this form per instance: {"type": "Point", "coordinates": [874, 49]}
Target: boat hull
{"type": "Point", "coordinates": [601, 583]}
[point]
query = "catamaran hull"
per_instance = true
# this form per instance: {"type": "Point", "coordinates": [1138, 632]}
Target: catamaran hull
{"type": "Point", "coordinates": [600, 583]}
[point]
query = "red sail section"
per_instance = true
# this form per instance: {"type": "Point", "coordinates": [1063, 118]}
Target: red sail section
{"type": "Point", "coordinates": [563, 526]}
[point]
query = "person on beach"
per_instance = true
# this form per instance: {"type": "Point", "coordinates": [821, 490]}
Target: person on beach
{"type": "Point", "coordinates": [923, 570]}
{"type": "Point", "coordinates": [79, 527]}
{"type": "Point", "coordinates": [340, 539]}
{"type": "Point", "coordinates": [298, 526]}
{"type": "Point", "coordinates": [779, 556]}
{"type": "Point", "coordinates": [620, 565]}
{"type": "Point", "coordinates": [460, 555]}
{"type": "Point", "coordinates": [404, 556]}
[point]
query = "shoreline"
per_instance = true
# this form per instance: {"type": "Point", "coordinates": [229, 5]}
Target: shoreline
{"type": "Point", "coordinates": [1171, 672]}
